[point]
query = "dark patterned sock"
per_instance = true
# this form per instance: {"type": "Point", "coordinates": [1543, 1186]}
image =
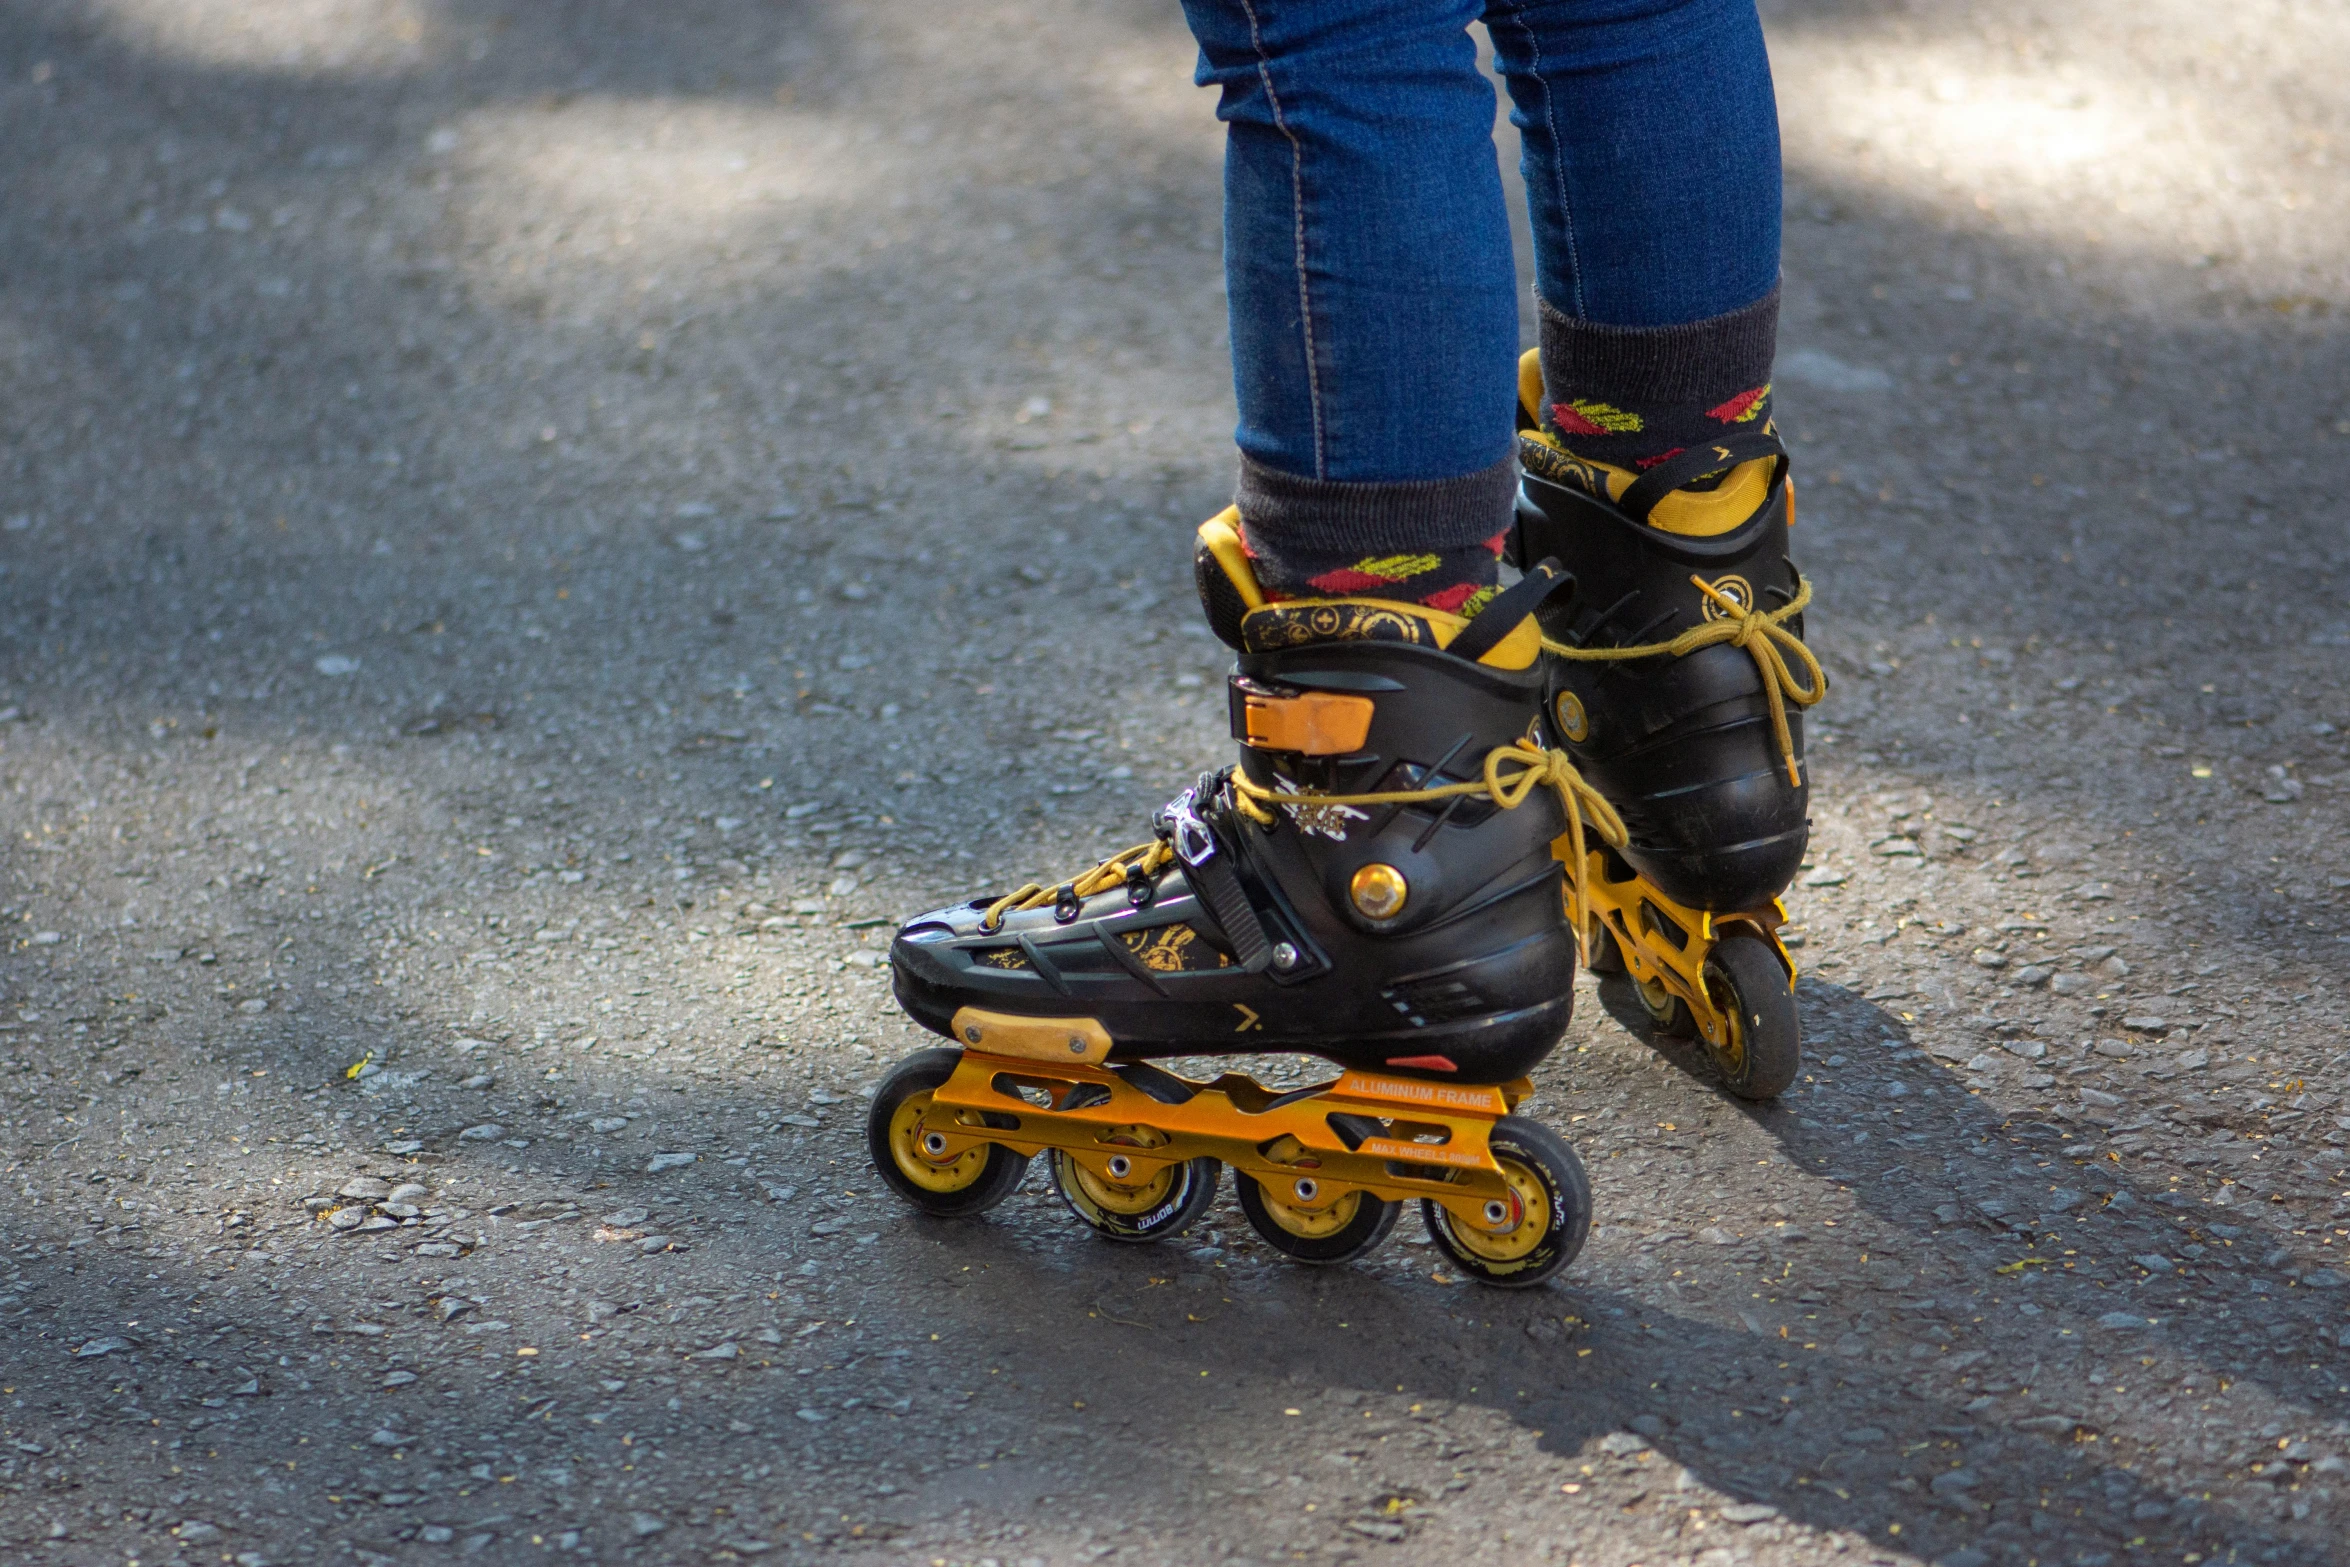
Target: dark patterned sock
{"type": "Point", "coordinates": [1457, 581]}
{"type": "Point", "coordinates": [1631, 397]}
{"type": "Point", "coordinates": [1434, 542]}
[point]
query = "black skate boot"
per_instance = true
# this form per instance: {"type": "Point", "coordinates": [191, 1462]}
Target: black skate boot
{"type": "Point", "coordinates": [1678, 676]}
{"type": "Point", "coordinates": [1374, 884]}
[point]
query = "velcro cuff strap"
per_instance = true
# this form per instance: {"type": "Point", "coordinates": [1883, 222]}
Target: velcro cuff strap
{"type": "Point", "coordinates": [1311, 723]}
{"type": "Point", "coordinates": [1219, 891]}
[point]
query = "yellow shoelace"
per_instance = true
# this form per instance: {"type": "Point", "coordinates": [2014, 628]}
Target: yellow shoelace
{"type": "Point", "coordinates": [1762, 635]}
{"type": "Point", "coordinates": [1533, 768]}
{"type": "Point", "coordinates": [1149, 858]}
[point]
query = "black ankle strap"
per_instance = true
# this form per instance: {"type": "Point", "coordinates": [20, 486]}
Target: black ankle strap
{"type": "Point", "coordinates": [1643, 494]}
{"type": "Point", "coordinates": [1505, 609]}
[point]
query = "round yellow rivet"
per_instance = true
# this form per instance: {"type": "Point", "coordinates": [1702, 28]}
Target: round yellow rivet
{"type": "Point", "coordinates": [1574, 723]}
{"type": "Point", "coordinates": [1379, 891]}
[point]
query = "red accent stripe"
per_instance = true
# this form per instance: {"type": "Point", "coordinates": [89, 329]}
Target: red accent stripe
{"type": "Point", "coordinates": [1650, 462]}
{"type": "Point", "coordinates": [1424, 1063]}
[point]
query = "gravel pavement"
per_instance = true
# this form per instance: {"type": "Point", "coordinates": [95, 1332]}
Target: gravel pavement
{"type": "Point", "coordinates": [529, 534]}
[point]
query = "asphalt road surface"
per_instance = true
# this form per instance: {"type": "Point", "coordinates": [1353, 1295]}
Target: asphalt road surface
{"type": "Point", "coordinates": [531, 532]}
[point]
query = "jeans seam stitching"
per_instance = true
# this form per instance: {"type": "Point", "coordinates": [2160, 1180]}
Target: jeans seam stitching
{"type": "Point", "coordinates": [1558, 162]}
{"type": "Point", "coordinates": [1297, 202]}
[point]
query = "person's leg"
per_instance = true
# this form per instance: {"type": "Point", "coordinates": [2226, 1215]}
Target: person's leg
{"type": "Point", "coordinates": [1654, 475]}
{"type": "Point", "coordinates": [1652, 174]}
{"type": "Point", "coordinates": [1374, 319]}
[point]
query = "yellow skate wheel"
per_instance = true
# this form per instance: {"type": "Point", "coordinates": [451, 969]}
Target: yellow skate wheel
{"type": "Point", "coordinates": [1294, 1220]}
{"type": "Point", "coordinates": [931, 1168]}
{"type": "Point", "coordinates": [1761, 1050]}
{"type": "Point", "coordinates": [1143, 1208]}
{"type": "Point", "coordinates": [1538, 1228]}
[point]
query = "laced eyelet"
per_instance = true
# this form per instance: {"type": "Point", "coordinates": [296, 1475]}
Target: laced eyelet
{"type": "Point", "coordinates": [1127, 868]}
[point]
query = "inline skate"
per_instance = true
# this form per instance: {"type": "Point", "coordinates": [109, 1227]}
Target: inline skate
{"type": "Point", "coordinates": [1677, 679]}
{"type": "Point", "coordinates": [1373, 883]}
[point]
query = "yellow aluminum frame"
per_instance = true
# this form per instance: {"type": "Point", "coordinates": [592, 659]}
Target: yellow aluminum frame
{"type": "Point", "coordinates": [1236, 1119]}
{"type": "Point", "coordinates": [1635, 913]}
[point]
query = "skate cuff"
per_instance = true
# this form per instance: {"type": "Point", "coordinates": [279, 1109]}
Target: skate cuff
{"type": "Point", "coordinates": [1764, 637]}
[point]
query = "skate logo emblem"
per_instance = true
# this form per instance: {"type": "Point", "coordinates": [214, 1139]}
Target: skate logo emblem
{"type": "Point", "coordinates": [1325, 821]}
{"type": "Point", "coordinates": [1248, 1018]}
{"type": "Point", "coordinates": [1736, 590]}
{"type": "Point", "coordinates": [1573, 722]}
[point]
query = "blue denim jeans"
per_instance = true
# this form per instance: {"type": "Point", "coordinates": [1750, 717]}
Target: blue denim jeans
{"type": "Point", "coordinates": [1367, 247]}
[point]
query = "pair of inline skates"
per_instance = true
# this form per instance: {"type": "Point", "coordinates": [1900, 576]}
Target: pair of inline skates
{"type": "Point", "coordinates": [1429, 818]}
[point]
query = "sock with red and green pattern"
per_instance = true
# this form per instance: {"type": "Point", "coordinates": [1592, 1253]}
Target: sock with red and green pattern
{"type": "Point", "coordinates": [1632, 397]}
{"type": "Point", "coordinates": [1457, 581]}
{"type": "Point", "coordinates": [1435, 543]}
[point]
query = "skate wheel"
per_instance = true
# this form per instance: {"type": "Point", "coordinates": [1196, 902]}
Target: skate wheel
{"type": "Point", "coordinates": [1603, 957]}
{"type": "Point", "coordinates": [1339, 1232]}
{"type": "Point", "coordinates": [973, 1181]}
{"type": "Point", "coordinates": [1667, 1013]}
{"type": "Point", "coordinates": [1552, 1198]}
{"type": "Point", "coordinates": [1762, 1041]}
{"type": "Point", "coordinates": [1147, 1210]}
